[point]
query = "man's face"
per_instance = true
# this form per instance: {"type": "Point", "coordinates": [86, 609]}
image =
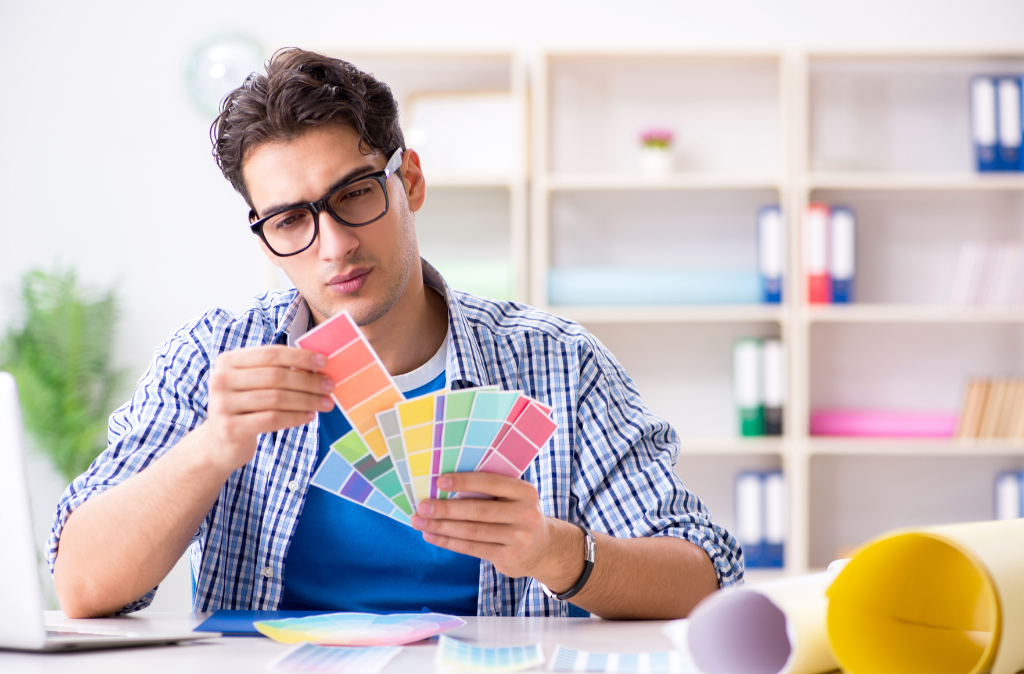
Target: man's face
{"type": "Point", "coordinates": [362, 269]}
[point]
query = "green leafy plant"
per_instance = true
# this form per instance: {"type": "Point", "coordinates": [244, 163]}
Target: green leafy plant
{"type": "Point", "coordinates": [60, 355]}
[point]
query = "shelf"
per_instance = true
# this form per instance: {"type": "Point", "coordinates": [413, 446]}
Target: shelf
{"type": "Point", "coordinates": [916, 181]}
{"type": "Point", "coordinates": [733, 445]}
{"type": "Point", "coordinates": [740, 313]}
{"type": "Point", "coordinates": [581, 182]}
{"type": "Point", "coordinates": [822, 446]}
{"type": "Point", "coordinates": [912, 313]}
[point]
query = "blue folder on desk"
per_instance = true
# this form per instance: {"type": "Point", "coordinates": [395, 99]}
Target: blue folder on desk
{"type": "Point", "coordinates": [240, 623]}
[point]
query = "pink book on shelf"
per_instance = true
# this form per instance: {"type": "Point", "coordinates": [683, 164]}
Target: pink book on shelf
{"type": "Point", "coordinates": [884, 423]}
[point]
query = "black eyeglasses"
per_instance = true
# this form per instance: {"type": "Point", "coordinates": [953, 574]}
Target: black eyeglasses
{"type": "Point", "coordinates": [357, 203]}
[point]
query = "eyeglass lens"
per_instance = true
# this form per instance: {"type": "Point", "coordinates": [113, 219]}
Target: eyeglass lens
{"type": "Point", "coordinates": [356, 204]}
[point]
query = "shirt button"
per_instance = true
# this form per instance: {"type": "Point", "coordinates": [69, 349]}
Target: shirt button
{"type": "Point", "coordinates": [293, 485]}
{"type": "Point", "coordinates": [268, 572]}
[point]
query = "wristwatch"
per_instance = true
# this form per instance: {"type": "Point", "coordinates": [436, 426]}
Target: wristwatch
{"type": "Point", "coordinates": [589, 549]}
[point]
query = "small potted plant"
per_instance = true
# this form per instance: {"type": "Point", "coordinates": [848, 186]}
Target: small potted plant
{"type": "Point", "coordinates": [656, 151]}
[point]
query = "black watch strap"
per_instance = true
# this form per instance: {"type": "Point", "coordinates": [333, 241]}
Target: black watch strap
{"type": "Point", "coordinates": [589, 550]}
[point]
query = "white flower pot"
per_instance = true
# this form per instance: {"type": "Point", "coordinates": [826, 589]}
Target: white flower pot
{"type": "Point", "coordinates": [655, 161]}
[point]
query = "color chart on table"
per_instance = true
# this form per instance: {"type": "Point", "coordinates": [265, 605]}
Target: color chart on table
{"type": "Point", "coordinates": [397, 448]}
{"type": "Point", "coordinates": [669, 662]}
{"type": "Point", "coordinates": [456, 655]}
{"type": "Point", "coordinates": [311, 658]}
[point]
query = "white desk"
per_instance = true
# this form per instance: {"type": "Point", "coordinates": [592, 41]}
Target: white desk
{"type": "Point", "coordinates": [252, 654]}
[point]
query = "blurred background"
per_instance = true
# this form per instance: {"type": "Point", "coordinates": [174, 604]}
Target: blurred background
{"type": "Point", "coordinates": [834, 370]}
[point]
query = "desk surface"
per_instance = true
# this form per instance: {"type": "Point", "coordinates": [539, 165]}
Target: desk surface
{"type": "Point", "coordinates": [252, 654]}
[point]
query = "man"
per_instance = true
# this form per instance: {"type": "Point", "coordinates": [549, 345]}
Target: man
{"type": "Point", "coordinates": [217, 446]}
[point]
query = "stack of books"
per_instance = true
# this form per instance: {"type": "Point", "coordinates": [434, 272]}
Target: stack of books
{"type": "Point", "coordinates": [989, 275]}
{"type": "Point", "coordinates": [993, 408]}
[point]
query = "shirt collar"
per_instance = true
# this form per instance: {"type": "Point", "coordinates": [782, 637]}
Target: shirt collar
{"type": "Point", "coordinates": [465, 361]}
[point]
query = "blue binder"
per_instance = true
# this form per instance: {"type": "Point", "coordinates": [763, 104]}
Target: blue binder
{"type": "Point", "coordinates": [1009, 119]}
{"type": "Point", "coordinates": [843, 254]}
{"type": "Point", "coordinates": [771, 253]}
{"type": "Point", "coordinates": [984, 124]}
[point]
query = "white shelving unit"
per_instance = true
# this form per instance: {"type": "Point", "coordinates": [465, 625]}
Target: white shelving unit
{"type": "Point", "coordinates": [889, 136]}
{"type": "Point", "coordinates": [886, 134]}
{"type": "Point", "coordinates": [592, 206]}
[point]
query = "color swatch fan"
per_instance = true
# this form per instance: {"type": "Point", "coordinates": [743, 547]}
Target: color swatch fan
{"type": "Point", "coordinates": [397, 448]}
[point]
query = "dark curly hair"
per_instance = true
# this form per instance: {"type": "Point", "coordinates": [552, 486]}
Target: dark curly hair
{"type": "Point", "coordinates": [302, 90]}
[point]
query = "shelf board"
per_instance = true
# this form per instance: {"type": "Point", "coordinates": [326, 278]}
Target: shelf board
{"type": "Point", "coordinates": [832, 446]}
{"type": "Point", "coordinates": [581, 182]}
{"type": "Point", "coordinates": [868, 180]}
{"type": "Point", "coordinates": [739, 313]}
{"type": "Point", "coordinates": [911, 313]}
{"type": "Point", "coordinates": [731, 445]}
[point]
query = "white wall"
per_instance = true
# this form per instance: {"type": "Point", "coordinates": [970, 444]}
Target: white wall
{"type": "Point", "coordinates": [104, 163]}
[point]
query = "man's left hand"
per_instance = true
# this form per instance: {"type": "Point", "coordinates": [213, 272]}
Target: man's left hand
{"type": "Point", "coordinates": [509, 531]}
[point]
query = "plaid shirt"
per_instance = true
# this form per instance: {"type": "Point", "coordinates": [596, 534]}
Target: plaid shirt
{"type": "Point", "coordinates": [609, 465]}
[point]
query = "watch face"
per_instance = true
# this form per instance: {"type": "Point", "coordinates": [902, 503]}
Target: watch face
{"type": "Point", "coordinates": [219, 66]}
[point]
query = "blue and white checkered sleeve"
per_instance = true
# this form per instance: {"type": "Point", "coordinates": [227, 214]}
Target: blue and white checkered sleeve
{"type": "Point", "coordinates": [626, 484]}
{"type": "Point", "coordinates": [168, 403]}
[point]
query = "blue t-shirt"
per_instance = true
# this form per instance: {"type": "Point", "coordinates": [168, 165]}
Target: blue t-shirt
{"type": "Point", "coordinates": [344, 557]}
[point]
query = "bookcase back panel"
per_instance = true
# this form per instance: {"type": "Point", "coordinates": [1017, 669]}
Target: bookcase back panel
{"type": "Point", "coordinates": [908, 243]}
{"type": "Point", "coordinates": [464, 223]}
{"type": "Point", "coordinates": [854, 499]}
{"type": "Point", "coordinates": [907, 367]}
{"type": "Point", "coordinates": [683, 372]}
{"type": "Point", "coordinates": [724, 113]}
{"type": "Point", "coordinates": [712, 478]}
{"type": "Point", "coordinates": [419, 73]}
{"type": "Point", "coordinates": [894, 114]}
{"type": "Point", "coordinates": [693, 230]}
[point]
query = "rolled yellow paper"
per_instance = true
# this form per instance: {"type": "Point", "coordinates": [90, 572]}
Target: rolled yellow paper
{"type": "Point", "coordinates": [937, 600]}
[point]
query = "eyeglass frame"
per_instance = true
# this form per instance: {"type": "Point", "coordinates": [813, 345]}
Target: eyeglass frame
{"type": "Point", "coordinates": [321, 205]}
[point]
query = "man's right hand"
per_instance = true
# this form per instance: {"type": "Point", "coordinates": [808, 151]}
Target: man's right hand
{"type": "Point", "coordinates": [261, 390]}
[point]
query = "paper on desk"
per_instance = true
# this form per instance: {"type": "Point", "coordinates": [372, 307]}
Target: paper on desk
{"type": "Point", "coordinates": [456, 655]}
{"type": "Point", "coordinates": [669, 662]}
{"type": "Point", "coordinates": [776, 627]}
{"type": "Point", "coordinates": [936, 600]}
{"type": "Point", "coordinates": [335, 659]}
{"type": "Point", "coordinates": [359, 629]}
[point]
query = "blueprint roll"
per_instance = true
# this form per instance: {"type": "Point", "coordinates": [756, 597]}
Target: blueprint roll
{"type": "Point", "coordinates": [936, 600]}
{"type": "Point", "coordinates": [776, 627]}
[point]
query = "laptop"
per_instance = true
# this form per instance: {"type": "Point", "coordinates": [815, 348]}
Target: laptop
{"type": "Point", "coordinates": [21, 596]}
